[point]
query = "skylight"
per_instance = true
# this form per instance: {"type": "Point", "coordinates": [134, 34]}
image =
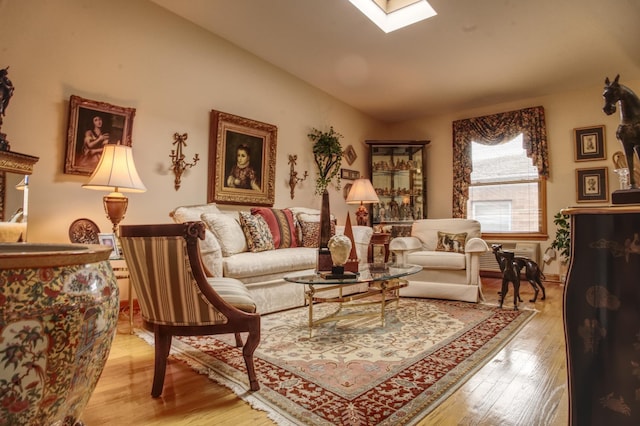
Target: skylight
{"type": "Point", "coordinates": [391, 15]}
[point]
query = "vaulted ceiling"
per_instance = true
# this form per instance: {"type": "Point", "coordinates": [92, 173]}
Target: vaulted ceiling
{"type": "Point", "coordinates": [474, 53]}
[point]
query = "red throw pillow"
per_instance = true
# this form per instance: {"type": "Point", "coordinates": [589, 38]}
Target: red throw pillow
{"type": "Point", "coordinates": [280, 222]}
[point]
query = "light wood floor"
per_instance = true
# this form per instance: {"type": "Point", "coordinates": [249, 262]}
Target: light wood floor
{"type": "Point", "coordinates": [525, 384]}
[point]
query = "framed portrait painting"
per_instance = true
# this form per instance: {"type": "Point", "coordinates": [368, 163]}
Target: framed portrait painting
{"type": "Point", "coordinates": [242, 160]}
{"type": "Point", "coordinates": [592, 185]}
{"type": "Point", "coordinates": [92, 125]}
{"type": "Point", "coordinates": [589, 143]}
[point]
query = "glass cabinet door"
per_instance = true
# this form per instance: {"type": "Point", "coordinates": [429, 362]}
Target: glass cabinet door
{"type": "Point", "coordinates": [398, 175]}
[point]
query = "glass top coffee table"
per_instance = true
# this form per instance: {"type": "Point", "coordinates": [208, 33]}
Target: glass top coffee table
{"type": "Point", "coordinates": [383, 286]}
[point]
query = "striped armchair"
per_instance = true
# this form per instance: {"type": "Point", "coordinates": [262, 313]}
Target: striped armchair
{"type": "Point", "coordinates": [177, 298]}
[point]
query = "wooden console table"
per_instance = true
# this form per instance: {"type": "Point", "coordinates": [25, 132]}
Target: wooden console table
{"type": "Point", "coordinates": [602, 316]}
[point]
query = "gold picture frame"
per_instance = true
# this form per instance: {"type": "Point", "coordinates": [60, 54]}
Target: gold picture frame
{"type": "Point", "coordinates": [85, 142]}
{"type": "Point", "coordinates": [592, 185]}
{"type": "Point", "coordinates": [349, 154]}
{"type": "Point", "coordinates": [232, 138]}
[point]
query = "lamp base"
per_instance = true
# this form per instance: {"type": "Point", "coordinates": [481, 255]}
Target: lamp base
{"type": "Point", "coordinates": [362, 216]}
{"type": "Point", "coordinates": [115, 206]}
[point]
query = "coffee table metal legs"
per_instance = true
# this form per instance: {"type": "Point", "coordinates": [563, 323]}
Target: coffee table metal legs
{"type": "Point", "coordinates": [383, 292]}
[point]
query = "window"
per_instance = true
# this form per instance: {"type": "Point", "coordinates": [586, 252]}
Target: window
{"type": "Point", "coordinates": [500, 167]}
{"type": "Point", "coordinates": [504, 194]}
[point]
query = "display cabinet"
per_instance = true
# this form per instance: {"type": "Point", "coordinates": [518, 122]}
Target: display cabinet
{"type": "Point", "coordinates": [399, 176]}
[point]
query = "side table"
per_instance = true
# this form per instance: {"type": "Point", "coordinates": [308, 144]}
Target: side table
{"type": "Point", "coordinates": [379, 238]}
{"type": "Point", "coordinates": [121, 271]}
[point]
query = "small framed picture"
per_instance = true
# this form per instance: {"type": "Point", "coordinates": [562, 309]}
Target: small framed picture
{"type": "Point", "coordinates": [589, 143]}
{"type": "Point", "coordinates": [592, 185]}
{"type": "Point", "coordinates": [349, 174]}
{"type": "Point", "coordinates": [110, 240]}
{"type": "Point", "coordinates": [350, 155]}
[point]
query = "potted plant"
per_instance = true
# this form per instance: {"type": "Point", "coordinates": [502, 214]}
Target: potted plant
{"type": "Point", "coordinates": [327, 153]}
{"type": "Point", "coordinates": [562, 241]}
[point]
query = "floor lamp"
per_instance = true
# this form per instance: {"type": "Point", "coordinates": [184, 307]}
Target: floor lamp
{"type": "Point", "coordinates": [116, 172]}
{"type": "Point", "coordinates": [362, 192]}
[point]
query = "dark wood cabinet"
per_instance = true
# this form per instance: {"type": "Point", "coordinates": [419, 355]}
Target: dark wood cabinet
{"type": "Point", "coordinates": [601, 311]}
{"type": "Point", "coordinates": [399, 176]}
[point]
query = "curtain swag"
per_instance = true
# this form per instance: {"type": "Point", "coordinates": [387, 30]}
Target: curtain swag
{"type": "Point", "coordinates": [493, 130]}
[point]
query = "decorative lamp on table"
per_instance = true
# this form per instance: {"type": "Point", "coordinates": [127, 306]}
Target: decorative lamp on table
{"type": "Point", "coordinates": [116, 172]}
{"type": "Point", "coordinates": [362, 192]}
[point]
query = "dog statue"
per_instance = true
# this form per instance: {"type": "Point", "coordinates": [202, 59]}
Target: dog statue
{"type": "Point", "coordinates": [533, 273]}
{"type": "Point", "coordinates": [510, 273]}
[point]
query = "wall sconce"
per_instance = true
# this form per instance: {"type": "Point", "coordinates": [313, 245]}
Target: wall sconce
{"type": "Point", "coordinates": [177, 158]}
{"type": "Point", "coordinates": [293, 175]}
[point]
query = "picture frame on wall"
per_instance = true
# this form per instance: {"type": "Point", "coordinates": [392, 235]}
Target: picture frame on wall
{"type": "Point", "coordinates": [93, 124]}
{"type": "Point", "coordinates": [592, 185]}
{"type": "Point", "coordinates": [242, 160]}
{"type": "Point", "coordinates": [589, 143]}
{"type": "Point", "coordinates": [349, 174]}
{"type": "Point", "coordinates": [349, 154]}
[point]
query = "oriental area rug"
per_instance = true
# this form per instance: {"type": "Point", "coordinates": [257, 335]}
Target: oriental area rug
{"type": "Point", "coordinates": [357, 372]}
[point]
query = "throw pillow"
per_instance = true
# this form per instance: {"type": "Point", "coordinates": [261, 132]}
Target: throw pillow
{"type": "Point", "coordinates": [281, 225]}
{"type": "Point", "coordinates": [451, 242]}
{"type": "Point", "coordinates": [256, 231]}
{"type": "Point", "coordinates": [228, 232]}
{"type": "Point", "coordinates": [311, 233]}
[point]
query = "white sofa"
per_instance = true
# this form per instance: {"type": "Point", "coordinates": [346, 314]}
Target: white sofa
{"type": "Point", "coordinates": [225, 253]}
{"type": "Point", "coordinates": [449, 252]}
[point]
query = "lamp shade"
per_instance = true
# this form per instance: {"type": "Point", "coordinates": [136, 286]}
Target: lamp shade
{"type": "Point", "coordinates": [362, 192]}
{"type": "Point", "coordinates": [116, 171]}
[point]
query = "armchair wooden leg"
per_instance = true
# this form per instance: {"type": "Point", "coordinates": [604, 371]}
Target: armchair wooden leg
{"type": "Point", "coordinates": [238, 340]}
{"type": "Point", "coordinates": [253, 340]}
{"type": "Point", "coordinates": [162, 348]}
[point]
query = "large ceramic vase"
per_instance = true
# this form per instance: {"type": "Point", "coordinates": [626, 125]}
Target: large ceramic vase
{"type": "Point", "coordinates": [58, 316]}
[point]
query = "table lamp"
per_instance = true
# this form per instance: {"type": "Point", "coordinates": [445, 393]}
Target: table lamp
{"type": "Point", "coordinates": [116, 172]}
{"type": "Point", "coordinates": [362, 192]}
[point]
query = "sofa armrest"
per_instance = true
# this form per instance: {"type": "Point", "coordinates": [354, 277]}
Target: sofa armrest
{"type": "Point", "coordinates": [405, 244]}
{"type": "Point", "coordinates": [476, 245]}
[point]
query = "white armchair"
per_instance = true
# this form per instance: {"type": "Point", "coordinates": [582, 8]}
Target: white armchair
{"type": "Point", "coordinates": [449, 252]}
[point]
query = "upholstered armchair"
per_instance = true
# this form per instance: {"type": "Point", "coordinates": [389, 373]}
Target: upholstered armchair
{"type": "Point", "coordinates": [177, 298]}
{"type": "Point", "coordinates": [448, 250]}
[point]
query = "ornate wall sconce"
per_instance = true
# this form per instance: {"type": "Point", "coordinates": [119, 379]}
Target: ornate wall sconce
{"type": "Point", "coordinates": [177, 158]}
{"type": "Point", "coordinates": [293, 175]}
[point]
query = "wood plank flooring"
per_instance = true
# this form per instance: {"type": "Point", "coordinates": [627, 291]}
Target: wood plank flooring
{"type": "Point", "coordinates": [524, 384]}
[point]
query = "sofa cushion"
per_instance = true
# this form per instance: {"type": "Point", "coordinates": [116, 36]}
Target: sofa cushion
{"type": "Point", "coordinates": [210, 250]}
{"type": "Point", "coordinates": [228, 231]}
{"type": "Point", "coordinates": [437, 260]}
{"type": "Point", "coordinates": [281, 225]}
{"type": "Point", "coordinates": [311, 233]}
{"type": "Point", "coordinates": [285, 260]}
{"type": "Point", "coordinates": [233, 292]}
{"type": "Point", "coordinates": [451, 242]}
{"type": "Point", "coordinates": [256, 232]}
{"type": "Point", "coordinates": [184, 214]}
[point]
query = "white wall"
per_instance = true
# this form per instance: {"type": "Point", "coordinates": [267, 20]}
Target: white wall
{"type": "Point", "coordinates": [133, 53]}
{"type": "Point", "coordinates": [563, 112]}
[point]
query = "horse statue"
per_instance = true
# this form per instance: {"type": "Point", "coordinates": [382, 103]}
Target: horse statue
{"type": "Point", "coordinates": [628, 132]}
